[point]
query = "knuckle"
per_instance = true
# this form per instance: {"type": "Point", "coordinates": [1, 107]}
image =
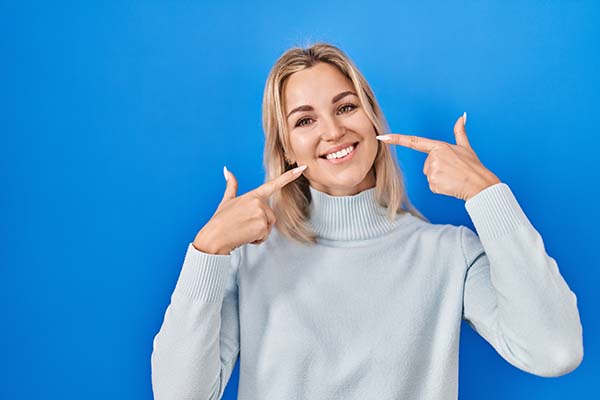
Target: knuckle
{"type": "Point", "coordinates": [256, 202]}
{"type": "Point", "coordinates": [441, 147]}
{"type": "Point", "coordinates": [257, 231]}
{"type": "Point", "coordinates": [258, 213]}
{"type": "Point", "coordinates": [264, 223]}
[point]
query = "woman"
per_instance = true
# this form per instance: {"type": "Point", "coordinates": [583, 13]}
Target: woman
{"type": "Point", "coordinates": [354, 294]}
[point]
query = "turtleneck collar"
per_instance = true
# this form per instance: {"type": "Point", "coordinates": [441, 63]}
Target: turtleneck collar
{"type": "Point", "coordinates": [353, 217]}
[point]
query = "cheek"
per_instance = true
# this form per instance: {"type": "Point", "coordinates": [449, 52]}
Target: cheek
{"type": "Point", "coordinates": [303, 146]}
{"type": "Point", "coordinates": [361, 124]}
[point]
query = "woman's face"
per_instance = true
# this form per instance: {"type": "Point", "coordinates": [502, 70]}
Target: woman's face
{"type": "Point", "coordinates": [324, 115]}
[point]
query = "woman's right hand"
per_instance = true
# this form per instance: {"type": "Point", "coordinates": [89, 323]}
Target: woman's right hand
{"type": "Point", "coordinates": [243, 219]}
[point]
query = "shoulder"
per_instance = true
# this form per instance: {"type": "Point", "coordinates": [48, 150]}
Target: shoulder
{"type": "Point", "coordinates": [435, 232]}
{"type": "Point", "coordinates": [447, 239]}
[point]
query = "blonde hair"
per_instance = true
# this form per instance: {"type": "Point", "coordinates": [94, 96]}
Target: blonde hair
{"type": "Point", "coordinates": [291, 203]}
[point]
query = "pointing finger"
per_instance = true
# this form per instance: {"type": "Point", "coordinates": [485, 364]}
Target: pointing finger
{"type": "Point", "coordinates": [414, 142]}
{"type": "Point", "coordinates": [268, 188]}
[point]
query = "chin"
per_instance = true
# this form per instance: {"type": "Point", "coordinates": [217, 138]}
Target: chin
{"type": "Point", "coordinates": [338, 185]}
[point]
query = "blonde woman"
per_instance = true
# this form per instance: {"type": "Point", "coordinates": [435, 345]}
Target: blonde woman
{"type": "Point", "coordinates": [327, 283]}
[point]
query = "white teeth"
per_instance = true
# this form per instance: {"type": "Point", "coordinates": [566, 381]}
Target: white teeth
{"type": "Point", "coordinates": [340, 153]}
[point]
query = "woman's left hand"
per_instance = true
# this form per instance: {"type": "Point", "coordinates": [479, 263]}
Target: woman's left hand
{"type": "Point", "coordinates": [451, 169]}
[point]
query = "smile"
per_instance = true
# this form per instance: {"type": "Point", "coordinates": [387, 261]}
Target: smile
{"type": "Point", "coordinates": [342, 155]}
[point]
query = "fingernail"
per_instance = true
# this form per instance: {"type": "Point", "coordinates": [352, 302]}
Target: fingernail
{"type": "Point", "coordinates": [382, 137]}
{"type": "Point", "coordinates": [225, 173]}
{"type": "Point", "coordinates": [299, 169]}
{"type": "Point", "coordinates": [465, 118]}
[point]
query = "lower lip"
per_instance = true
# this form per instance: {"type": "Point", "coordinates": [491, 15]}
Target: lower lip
{"type": "Point", "coordinates": [347, 157]}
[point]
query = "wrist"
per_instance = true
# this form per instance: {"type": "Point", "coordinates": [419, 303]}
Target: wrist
{"type": "Point", "coordinates": [489, 182]}
{"type": "Point", "coordinates": [206, 244]}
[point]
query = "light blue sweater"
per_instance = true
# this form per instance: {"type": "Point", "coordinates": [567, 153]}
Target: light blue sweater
{"type": "Point", "coordinates": [373, 311]}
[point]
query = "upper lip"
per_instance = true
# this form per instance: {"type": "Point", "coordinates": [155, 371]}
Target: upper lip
{"type": "Point", "coordinates": [337, 148]}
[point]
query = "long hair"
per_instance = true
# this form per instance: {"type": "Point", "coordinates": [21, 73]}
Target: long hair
{"type": "Point", "coordinates": [291, 203]}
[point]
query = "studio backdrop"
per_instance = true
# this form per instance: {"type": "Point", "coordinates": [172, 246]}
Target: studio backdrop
{"type": "Point", "coordinates": [118, 117]}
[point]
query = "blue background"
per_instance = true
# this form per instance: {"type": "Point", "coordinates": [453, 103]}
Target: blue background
{"type": "Point", "coordinates": [117, 118]}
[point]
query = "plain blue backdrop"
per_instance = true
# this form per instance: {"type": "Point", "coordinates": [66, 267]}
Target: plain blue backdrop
{"type": "Point", "coordinates": [117, 118]}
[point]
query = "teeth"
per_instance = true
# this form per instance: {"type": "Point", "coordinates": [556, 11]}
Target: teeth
{"type": "Point", "coordinates": [340, 153]}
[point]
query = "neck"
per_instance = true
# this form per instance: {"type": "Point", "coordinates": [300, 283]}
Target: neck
{"type": "Point", "coordinates": [352, 217]}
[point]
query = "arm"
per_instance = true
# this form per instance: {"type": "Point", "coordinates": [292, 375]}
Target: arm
{"type": "Point", "coordinates": [514, 294]}
{"type": "Point", "coordinates": [197, 346]}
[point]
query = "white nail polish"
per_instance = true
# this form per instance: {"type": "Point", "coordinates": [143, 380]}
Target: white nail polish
{"type": "Point", "coordinates": [465, 118]}
{"type": "Point", "coordinates": [225, 173]}
{"type": "Point", "coordinates": [299, 169]}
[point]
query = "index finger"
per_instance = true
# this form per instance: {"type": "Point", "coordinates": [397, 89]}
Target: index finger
{"type": "Point", "coordinates": [414, 142]}
{"type": "Point", "coordinates": [268, 188]}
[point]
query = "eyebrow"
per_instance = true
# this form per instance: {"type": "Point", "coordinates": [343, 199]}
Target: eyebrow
{"type": "Point", "coordinates": [335, 99]}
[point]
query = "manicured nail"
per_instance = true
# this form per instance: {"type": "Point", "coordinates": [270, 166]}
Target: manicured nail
{"type": "Point", "coordinates": [225, 173]}
{"type": "Point", "coordinates": [383, 137]}
{"type": "Point", "coordinates": [299, 169]}
{"type": "Point", "coordinates": [465, 118]}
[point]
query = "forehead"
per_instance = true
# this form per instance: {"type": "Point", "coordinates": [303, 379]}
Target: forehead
{"type": "Point", "coordinates": [317, 84]}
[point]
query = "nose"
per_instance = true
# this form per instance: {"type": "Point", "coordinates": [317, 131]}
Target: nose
{"type": "Point", "coordinates": [333, 131]}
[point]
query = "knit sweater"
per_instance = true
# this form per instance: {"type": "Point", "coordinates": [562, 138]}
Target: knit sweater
{"type": "Point", "coordinates": [372, 311]}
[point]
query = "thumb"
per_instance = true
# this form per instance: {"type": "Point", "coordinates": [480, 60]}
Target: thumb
{"type": "Point", "coordinates": [460, 134]}
{"type": "Point", "coordinates": [232, 185]}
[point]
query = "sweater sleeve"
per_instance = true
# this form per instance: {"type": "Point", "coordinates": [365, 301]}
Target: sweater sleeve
{"type": "Point", "coordinates": [514, 295]}
{"type": "Point", "coordinates": [197, 346]}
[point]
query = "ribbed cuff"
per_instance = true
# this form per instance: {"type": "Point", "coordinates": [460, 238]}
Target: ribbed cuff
{"type": "Point", "coordinates": [495, 212]}
{"type": "Point", "coordinates": [203, 276]}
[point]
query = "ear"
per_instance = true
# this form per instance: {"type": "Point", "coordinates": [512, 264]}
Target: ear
{"type": "Point", "coordinates": [288, 160]}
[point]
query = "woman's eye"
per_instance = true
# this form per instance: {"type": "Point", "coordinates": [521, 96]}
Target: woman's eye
{"type": "Point", "coordinates": [347, 107]}
{"type": "Point", "coordinates": [352, 106]}
{"type": "Point", "coordinates": [299, 123]}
